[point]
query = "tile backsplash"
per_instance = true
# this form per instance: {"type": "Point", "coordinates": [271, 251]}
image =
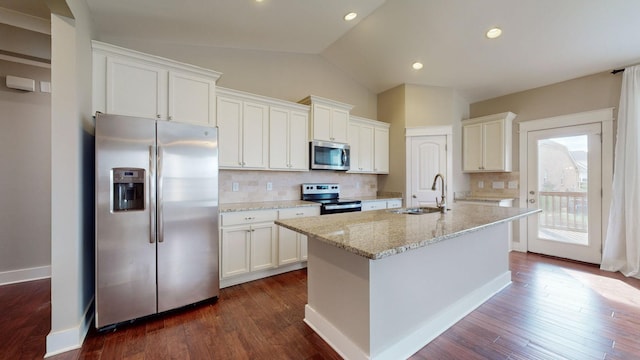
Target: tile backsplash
{"type": "Point", "coordinates": [285, 185]}
{"type": "Point", "coordinates": [495, 184]}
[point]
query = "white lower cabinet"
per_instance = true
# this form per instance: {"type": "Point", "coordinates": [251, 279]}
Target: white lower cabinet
{"type": "Point", "coordinates": [253, 247]}
{"type": "Point", "coordinates": [381, 204]}
{"type": "Point", "coordinates": [248, 242]}
{"type": "Point", "coordinates": [292, 246]}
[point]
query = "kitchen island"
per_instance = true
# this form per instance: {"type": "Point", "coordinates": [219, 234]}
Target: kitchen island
{"type": "Point", "coordinates": [382, 284]}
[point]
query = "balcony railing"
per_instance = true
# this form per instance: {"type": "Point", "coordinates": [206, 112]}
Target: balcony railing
{"type": "Point", "coordinates": [564, 210]}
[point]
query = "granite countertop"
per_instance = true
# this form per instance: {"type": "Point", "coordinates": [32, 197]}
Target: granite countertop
{"type": "Point", "coordinates": [265, 205]}
{"type": "Point", "coordinates": [381, 233]}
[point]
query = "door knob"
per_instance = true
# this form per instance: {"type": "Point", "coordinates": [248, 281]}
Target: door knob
{"type": "Point", "coordinates": [532, 200]}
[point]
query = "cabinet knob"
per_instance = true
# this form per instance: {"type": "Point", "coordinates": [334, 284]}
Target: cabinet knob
{"type": "Point", "coordinates": [170, 117]}
{"type": "Point", "coordinates": [158, 116]}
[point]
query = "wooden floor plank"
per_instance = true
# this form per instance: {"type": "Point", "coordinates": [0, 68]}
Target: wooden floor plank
{"type": "Point", "coordinates": [553, 309]}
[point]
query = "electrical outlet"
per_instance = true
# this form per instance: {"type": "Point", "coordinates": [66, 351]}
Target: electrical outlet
{"type": "Point", "coordinates": [269, 186]}
{"type": "Point", "coordinates": [235, 186]}
{"type": "Point", "coordinates": [497, 185]}
{"type": "Point", "coordinates": [513, 184]}
{"type": "Point", "coordinates": [480, 184]}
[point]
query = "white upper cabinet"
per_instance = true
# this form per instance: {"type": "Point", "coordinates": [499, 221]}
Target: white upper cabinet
{"type": "Point", "coordinates": [243, 132]}
{"type": "Point", "coordinates": [486, 143]}
{"type": "Point", "coordinates": [192, 98]}
{"type": "Point", "coordinates": [288, 141]}
{"type": "Point", "coordinates": [261, 133]}
{"type": "Point", "coordinates": [127, 82]}
{"type": "Point", "coordinates": [369, 145]}
{"type": "Point", "coordinates": [329, 119]}
{"type": "Point", "coordinates": [381, 149]}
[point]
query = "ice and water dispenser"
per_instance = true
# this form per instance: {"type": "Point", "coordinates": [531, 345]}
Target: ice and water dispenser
{"type": "Point", "coordinates": [128, 189]}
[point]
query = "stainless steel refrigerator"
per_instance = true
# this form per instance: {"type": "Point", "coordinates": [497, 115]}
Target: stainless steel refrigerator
{"type": "Point", "coordinates": [156, 216]}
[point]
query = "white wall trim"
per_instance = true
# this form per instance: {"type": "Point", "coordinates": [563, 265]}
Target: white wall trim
{"type": "Point", "coordinates": [24, 21]}
{"type": "Point", "coordinates": [334, 337]}
{"type": "Point", "coordinates": [22, 275]}
{"type": "Point", "coordinates": [428, 130]}
{"type": "Point", "coordinates": [603, 116]}
{"type": "Point", "coordinates": [72, 338]}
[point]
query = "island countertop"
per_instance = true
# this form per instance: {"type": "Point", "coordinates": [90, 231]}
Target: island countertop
{"type": "Point", "coordinates": [382, 233]}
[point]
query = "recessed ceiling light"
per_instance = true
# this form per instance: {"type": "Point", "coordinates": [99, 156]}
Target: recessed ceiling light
{"type": "Point", "coordinates": [494, 33]}
{"type": "Point", "coordinates": [417, 65]}
{"type": "Point", "coordinates": [350, 16]}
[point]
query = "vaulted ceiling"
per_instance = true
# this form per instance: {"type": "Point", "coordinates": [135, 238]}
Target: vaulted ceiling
{"type": "Point", "coordinates": [543, 41]}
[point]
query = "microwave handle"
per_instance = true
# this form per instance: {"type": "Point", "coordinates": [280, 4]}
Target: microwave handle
{"type": "Point", "coordinates": [344, 157]}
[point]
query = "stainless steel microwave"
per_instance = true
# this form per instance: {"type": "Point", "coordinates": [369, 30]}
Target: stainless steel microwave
{"type": "Point", "coordinates": [326, 155]}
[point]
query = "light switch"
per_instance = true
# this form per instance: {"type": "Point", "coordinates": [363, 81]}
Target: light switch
{"type": "Point", "coordinates": [480, 184]}
{"type": "Point", "coordinates": [513, 184]}
{"type": "Point", "coordinates": [269, 186]}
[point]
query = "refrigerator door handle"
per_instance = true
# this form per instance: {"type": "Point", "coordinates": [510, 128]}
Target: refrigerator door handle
{"type": "Point", "coordinates": [152, 194]}
{"type": "Point", "coordinates": [159, 195]}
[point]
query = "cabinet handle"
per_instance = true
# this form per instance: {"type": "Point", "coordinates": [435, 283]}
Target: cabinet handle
{"type": "Point", "coordinates": [249, 218]}
{"type": "Point", "coordinates": [299, 214]}
{"type": "Point", "coordinates": [158, 116]}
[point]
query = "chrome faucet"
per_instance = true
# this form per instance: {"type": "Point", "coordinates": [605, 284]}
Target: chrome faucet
{"type": "Point", "coordinates": [442, 204]}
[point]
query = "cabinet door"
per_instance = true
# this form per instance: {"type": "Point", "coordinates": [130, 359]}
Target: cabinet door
{"type": "Point", "coordinates": [365, 151]}
{"type": "Point", "coordinates": [229, 114]}
{"type": "Point", "coordinates": [255, 135]}
{"type": "Point", "coordinates": [493, 145]}
{"type": "Point", "coordinates": [381, 151]}
{"type": "Point", "coordinates": [354, 144]}
{"type": "Point", "coordinates": [234, 254]}
{"type": "Point", "coordinates": [288, 246]}
{"type": "Point", "coordinates": [136, 89]}
{"type": "Point", "coordinates": [278, 138]}
{"type": "Point", "coordinates": [322, 122]}
{"type": "Point", "coordinates": [191, 99]}
{"type": "Point", "coordinates": [472, 147]}
{"type": "Point", "coordinates": [299, 141]}
{"type": "Point", "coordinates": [263, 246]}
{"type": "Point", "coordinates": [339, 125]}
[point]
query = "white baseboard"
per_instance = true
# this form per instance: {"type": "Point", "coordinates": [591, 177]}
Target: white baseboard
{"type": "Point", "coordinates": [22, 275]}
{"type": "Point", "coordinates": [65, 340]}
{"type": "Point", "coordinates": [428, 331]}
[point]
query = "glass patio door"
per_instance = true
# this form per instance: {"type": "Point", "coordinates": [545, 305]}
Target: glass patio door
{"type": "Point", "coordinates": [564, 180]}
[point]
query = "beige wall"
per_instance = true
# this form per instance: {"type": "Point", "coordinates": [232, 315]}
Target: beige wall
{"type": "Point", "coordinates": [25, 143]}
{"type": "Point", "coordinates": [25, 42]}
{"type": "Point", "coordinates": [285, 76]}
{"type": "Point", "coordinates": [410, 105]}
{"type": "Point", "coordinates": [592, 92]}
{"type": "Point", "coordinates": [391, 109]}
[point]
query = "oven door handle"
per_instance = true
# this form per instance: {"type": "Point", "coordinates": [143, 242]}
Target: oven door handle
{"type": "Point", "coordinates": [342, 206]}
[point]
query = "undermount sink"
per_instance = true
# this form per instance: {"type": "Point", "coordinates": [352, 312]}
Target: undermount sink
{"type": "Point", "coordinates": [416, 211]}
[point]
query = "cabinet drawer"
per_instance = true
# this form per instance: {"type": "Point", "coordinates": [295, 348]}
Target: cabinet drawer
{"type": "Point", "coordinates": [374, 205]}
{"type": "Point", "coordinates": [298, 212]}
{"type": "Point", "coordinates": [247, 217]}
{"type": "Point", "coordinates": [393, 204]}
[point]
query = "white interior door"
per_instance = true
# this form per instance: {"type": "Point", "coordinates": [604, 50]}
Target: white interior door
{"type": "Point", "coordinates": [564, 179]}
{"type": "Point", "coordinates": [428, 158]}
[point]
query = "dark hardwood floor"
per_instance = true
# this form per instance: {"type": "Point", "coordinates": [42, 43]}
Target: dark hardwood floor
{"type": "Point", "coordinates": [553, 310]}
